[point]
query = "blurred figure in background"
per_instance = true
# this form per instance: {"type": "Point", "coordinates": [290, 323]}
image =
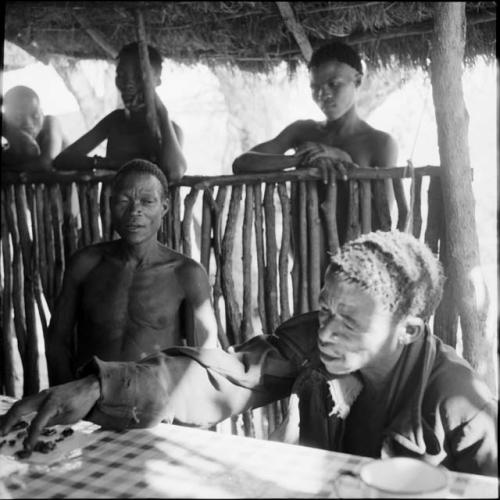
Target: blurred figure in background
{"type": "Point", "coordinates": [32, 140]}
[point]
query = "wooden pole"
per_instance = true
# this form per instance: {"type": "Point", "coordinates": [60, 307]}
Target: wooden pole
{"type": "Point", "coordinates": [296, 29]}
{"type": "Point", "coordinates": [284, 251]}
{"type": "Point", "coordinates": [147, 76]}
{"type": "Point", "coordinates": [218, 208]}
{"type": "Point", "coordinates": [464, 269]}
{"type": "Point", "coordinates": [246, 240]}
{"type": "Point", "coordinates": [261, 262]}
{"type": "Point", "coordinates": [271, 274]}
{"type": "Point", "coordinates": [7, 352]}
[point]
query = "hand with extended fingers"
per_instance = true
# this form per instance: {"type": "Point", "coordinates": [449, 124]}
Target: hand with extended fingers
{"type": "Point", "coordinates": [61, 404]}
{"type": "Point", "coordinates": [331, 160]}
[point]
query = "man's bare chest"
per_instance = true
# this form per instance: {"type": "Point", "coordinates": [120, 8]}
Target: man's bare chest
{"type": "Point", "coordinates": [111, 293]}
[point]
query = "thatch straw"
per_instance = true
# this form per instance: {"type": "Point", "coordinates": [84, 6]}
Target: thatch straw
{"type": "Point", "coordinates": [251, 35]}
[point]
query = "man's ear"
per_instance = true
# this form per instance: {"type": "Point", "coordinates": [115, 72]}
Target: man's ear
{"type": "Point", "coordinates": [410, 330]}
{"type": "Point", "coordinates": [164, 206]}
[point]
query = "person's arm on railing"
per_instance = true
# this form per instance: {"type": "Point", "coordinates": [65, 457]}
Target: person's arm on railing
{"type": "Point", "coordinates": [74, 157]}
{"type": "Point", "coordinates": [270, 156]}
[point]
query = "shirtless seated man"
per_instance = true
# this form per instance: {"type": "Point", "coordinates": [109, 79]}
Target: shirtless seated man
{"type": "Point", "coordinates": [126, 130]}
{"type": "Point", "coordinates": [33, 140]}
{"type": "Point", "coordinates": [133, 296]}
{"type": "Point", "coordinates": [340, 142]}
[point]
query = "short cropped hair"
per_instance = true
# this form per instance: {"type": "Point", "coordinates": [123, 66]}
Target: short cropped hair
{"type": "Point", "coordinates": [20, 92]}
{"type": "Point", "coordinates": [336, 51]}
{"type": "Point", "coordinates": [140, 166]}
{"type": "Point", "coordinates": [132, 49]}
{"type": "Point", "coordinates": [394, 267]}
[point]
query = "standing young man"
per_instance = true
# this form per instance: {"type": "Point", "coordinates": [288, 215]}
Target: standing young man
{"type": "Point", "coordinates": [340, 142]}
{"type": "Point", "coordinates": [126, 130]}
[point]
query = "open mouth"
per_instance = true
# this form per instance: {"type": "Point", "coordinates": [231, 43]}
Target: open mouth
{"type": "Point", "coordinates": [331, 358]}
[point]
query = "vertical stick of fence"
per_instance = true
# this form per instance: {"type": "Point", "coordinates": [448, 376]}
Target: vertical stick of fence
{"type": "Point", "coordinates": [417, 206]}
{"type": "Point", "coordinates": [37, 285]}
{"type": "Point", "coordinates": [50, 248]}
{"type": "Point", "coordinates": [382, 210]}
{"type": "Point", "coordinates": [42, 244]}
{"type": "Point", "coordinates": [93, 201]}
{"type": "Point", "coordinates": [353, 227]}
{"type": "Point", "coordinates": [366, 205]}
{"type": "Point", "coordinates": [57, 220]}
{"type": "Point", "coordinates": [295, 238]}
{"type": "Point", "coordinates": [233, 315]}
{"type": "Point", "coordinates": [284, 251]}
{"type": "Point", "coordinates": [261, 266]}
{"type": "Point", "coordinates": [86, 237]}
{"type": "Point", "coordinates": [434, 214]}
{"type": "Point", "coordinates": [7, 333]}
{"type": "Point", "coordinates": [302, 248]}
{"type": "Point", "coordinates": [271, 274]}
{"type": "Point", "coordinates": [17, 276]}
{"type": "Point", "coordinates": [246, 321]}
{"type": "Point", "coordinates": [206, 229]}
{"type": "Point", "coordinates": [329, 210]}
{"type": "Point", "coordinates": [71, 226]}
{"type": "Point", "coordinates": [104, 208]}
{"type": "Point", "coordinates": [217, 208]}
{"type": "Point", "coordinates": [31, 367]}
{"type": "Point", "coordinates": [315, 247]}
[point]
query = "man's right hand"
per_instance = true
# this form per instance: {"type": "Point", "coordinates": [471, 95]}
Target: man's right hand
{"type": "Point", "coordinates": [61, 404]}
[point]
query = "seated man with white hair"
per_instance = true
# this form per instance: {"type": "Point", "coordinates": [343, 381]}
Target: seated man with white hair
{"type": "Point", "coordinates": [365, 375]}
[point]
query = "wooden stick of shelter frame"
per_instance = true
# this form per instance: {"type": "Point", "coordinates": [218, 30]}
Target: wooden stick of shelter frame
{"type": "Point", "coordinates": [8, 346]}
{"type": "Point", "coordinates": [147, 77]}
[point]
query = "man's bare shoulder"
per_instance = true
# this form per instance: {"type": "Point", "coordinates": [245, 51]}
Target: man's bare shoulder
{"type": "Point", "coordinates": [86, 259]}
{"type": "Point", "coordinates": [378, 136]}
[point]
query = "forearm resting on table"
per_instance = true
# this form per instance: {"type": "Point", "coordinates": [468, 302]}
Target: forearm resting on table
{"type": "Point", "coordinates": [197, 387]}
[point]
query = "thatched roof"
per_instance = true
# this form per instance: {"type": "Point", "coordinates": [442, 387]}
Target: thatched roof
{"type": "Point", "coordinates": [251, 35]}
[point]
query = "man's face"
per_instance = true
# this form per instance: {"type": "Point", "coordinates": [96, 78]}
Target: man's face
{"type": "Point", "coordinates": [130, 83]}
{"type": "Point", "coordinates": [356, 330]}
{"type": "Point", "coordinates": [334, 87]}
{"type": "Point", "coordinates": [137, 207]}
{"type": "Point", "coordinates": [25, 114]}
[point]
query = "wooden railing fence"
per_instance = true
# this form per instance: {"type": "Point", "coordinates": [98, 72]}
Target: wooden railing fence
{"type": "Point", "coordinates": [239, 227]}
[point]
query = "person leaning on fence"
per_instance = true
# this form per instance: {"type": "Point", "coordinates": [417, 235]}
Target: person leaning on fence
{"type": "Point", "coordinates": [33, 139]}
{"type": "Point", "coordinates": [133, 296]}
{"type": "Point", "coordinates": [126, 130]}
{"type": "Point", "coordinates": [365, 375]}
{"type": "Point", "coordinates": [340, 143]}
